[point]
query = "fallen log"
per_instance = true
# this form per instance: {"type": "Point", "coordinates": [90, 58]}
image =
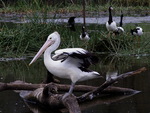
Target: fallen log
{"type": "Point", "coordinates": [106, 84]}
{"type": "Point", "coordinates": [20, 85]}
{"type": "Point", "coordinates": [46, 94]}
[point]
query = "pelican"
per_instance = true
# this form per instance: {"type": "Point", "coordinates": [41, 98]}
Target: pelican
{"type": "Point", "coordinates": [111, 25]}
{"type": "Point", "coordinates": [84, 35]}
{"type": "Point", "coordinates": [69, 63]}
{"type": "Point", "coordinates": [138, 31]}
{"type": "Point", "coordinates": [71, 23]}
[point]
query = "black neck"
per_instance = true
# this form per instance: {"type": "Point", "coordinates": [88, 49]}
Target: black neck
{"type": "Point", "coordinates": [121, 20]}
{"type": "Point", "coordinates": [110, 16]}
{"type": "Point", "coordinates": [83, 29]}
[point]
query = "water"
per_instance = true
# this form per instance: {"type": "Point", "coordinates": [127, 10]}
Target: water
{"type": "Point", "coordinates": [11, 70]}
{"type": "Point", "coordinates": [95, 19]}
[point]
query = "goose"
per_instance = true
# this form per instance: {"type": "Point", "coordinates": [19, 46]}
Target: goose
{"type": "Point", "coordinates": [84, 35]}
{"type": "Point", "coordinates": [138, 31]}
{"type": "Point", "coordinates": [120, 29]}
{"type": "Point", "coordinates": [111, 25]}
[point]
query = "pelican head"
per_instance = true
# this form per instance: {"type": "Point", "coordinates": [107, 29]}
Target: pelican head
{"type": "Point", "coordinates": [52, 38]}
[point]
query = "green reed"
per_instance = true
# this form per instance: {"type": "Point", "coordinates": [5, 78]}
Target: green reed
{"type": "Point", "coordinates": [25, 39]}
{"type": "Point", "coordinates": [63, 6]}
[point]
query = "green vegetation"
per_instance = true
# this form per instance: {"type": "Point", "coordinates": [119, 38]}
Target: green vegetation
{"type": "Point", "coordinates": [24, 39]}
{"type": "Point", "coordinates": [65, 6]}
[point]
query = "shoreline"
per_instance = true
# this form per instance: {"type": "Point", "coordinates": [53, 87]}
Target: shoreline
{"type": "Point", "coordinates": [79, 20]}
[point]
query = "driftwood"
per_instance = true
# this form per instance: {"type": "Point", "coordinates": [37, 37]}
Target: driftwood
{"type": "Point", "coordinates": [98, 90]}
{"type": "Point", "coordinates": [47, 94]}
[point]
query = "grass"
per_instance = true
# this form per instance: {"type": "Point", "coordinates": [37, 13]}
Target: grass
{"type": "Point", "coordinates": [25, 6]}
{"type": "Point", "coordinates": [25, 39]}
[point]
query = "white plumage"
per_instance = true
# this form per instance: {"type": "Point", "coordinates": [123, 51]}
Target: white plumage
{"type": "Point", "coordinates": [138, 31]}
{"type": "Point", "coordinates": [111, 25]}
{"type": "Point", "coordinates": [120, 28]}
{"type": "Point", "coordinates": [69, 63]}
{"type": "Point", "coordinates": [84, 35]}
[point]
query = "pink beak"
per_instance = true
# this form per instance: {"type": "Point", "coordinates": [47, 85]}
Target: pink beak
{"type": "Point", "coordinates": [42, 49]}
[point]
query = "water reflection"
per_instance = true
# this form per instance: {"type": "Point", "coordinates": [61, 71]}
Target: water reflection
{"type": "Point", "coordinates": [10, 101]}
{"type": "Point", "coordinates": [35, 108]}
{"type": "Point", "coordinates": [89, 20]}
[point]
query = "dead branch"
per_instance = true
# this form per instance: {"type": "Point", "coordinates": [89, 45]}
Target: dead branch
{"type": "Point", "coordinates": [71, 103]}
{"type": "Point", "coordinates": [98, 90]}
{"type": "Point", "coordinates": [20, 85]}
{"type": "Point", "coordinates": [47, 96]}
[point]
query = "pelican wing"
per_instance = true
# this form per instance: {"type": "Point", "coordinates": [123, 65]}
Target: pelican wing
{"type": "Point", "coordinates": [82, 57]}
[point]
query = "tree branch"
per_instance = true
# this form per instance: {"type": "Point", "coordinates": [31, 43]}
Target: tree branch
{"type": "Point", "coordinates": [98, 90]}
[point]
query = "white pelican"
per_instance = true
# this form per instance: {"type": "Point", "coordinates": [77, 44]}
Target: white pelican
{"type": "Point", "coordinates": [111, 25]}
{"type": "Point", "coordinates": [138, 31]}
{"type": "Point", "coordinates": [84, 35]}
{"type": "Point", "coordinates": [69, 63]}
{"type": "Point", "coordinates": [71, 23]}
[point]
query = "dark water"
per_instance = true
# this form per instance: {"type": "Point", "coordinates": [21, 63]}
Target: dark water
{"type": "Point", "coordinates": [11, 102]}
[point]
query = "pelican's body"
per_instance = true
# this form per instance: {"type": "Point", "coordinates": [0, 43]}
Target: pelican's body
{"type": "Point", "coordinates": [66, 64]}
{"type": "Point", "coordinates": [69, 63]}
{"type": "Point", "coordinates": [111, 25]}
{"type": "Point", "coordinates": [138, 31]}
{"type": "Point", "coordinates": [84, 35]}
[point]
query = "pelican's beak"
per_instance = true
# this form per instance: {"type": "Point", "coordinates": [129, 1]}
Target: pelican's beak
{"type": "Point", "coordinates": [42, 49]}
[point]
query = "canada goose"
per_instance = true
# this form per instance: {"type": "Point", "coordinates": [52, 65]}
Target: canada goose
{"type": "Point", "coordinates": [120, 28]}
{"type": "Point", "coordinates": [111, 25]}
{"type": "Point", "coordinates": [84, 35]}
{"type": "Point", "coordinates": [138, 31]}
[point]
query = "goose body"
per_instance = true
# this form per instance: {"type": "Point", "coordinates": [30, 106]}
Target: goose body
{"type": "Point", "coordinates": [69, 63]}
{"type": "Point", "coordinates": [120, 29]}
{"type": "Point", "coordinates": [138, 31]}
{"type": "Point", "coordinates": [84, 35]}
{"type": "Point", "coordinates": [111, 25]}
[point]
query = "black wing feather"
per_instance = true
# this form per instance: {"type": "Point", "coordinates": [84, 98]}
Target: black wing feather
{"type": "Point", "coordinates": [87, 58]}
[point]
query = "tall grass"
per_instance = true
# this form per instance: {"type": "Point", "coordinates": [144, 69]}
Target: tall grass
{"type": "Point", "coordinates": [25, 39]}
{"type": "Point", "coordinates": [61, 6]}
